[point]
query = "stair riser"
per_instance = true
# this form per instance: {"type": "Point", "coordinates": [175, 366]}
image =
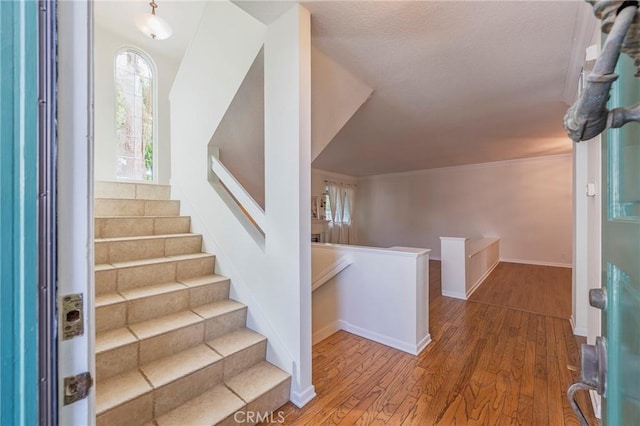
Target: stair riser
{"type": "Point", "coordinates": [120, 207]}
{"type": "Point", "coordinates": [118, 227]}
{"type": "Point", "coordinates": [116, 361]}
{"type": "Point", "coordinates": [135, 412]}
{"type": "Point", "coordinates": [110, 317]}
{"type": "Point", "coordinates": [244, 359]}
{"type": "Point", "coordinates": [170, 396]}
{"type": "Point", "coordinates": [105, 282]}
{"type": "Point", "coordinates": [127, 278]}
{"type": "Point", "coordinates": [267, 403]}
{"type": "Point", "coordinates": [209, 293]}
{"type": "Point", "coordinates": [148, 248]}
{"type": "Point", "coordinates": [131, 191]}
{"type": "Point", "coordinates": [170, 343]}
{"type": "Point", "coordinates": [223, 324]}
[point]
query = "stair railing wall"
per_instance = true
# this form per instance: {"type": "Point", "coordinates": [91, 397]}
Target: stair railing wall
{"type": "Point", "coordinates": [272, 274]}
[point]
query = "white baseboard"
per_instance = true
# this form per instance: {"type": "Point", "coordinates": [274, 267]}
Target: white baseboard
{"type": "Point", "coordinates": [422, 344]}
{"type": "Point", "coordinates": [300, 399]}
{"type": "Point", "coordinates": [580, 331]}
{"type": "Point", "coordinates": [596, 403]}
{"type": "Point", "coordinates": [381, 338]}
{"type": "Point", "coordinates": [481, 279]}
{"type": "Point", "coordinates": [536, 262]}
{"type": "Point", "coordinates": [577, 331]}
{"type": "Point", "coordinates": [456, 294]}
{"type": "Point", "coordinates": [325, 332]}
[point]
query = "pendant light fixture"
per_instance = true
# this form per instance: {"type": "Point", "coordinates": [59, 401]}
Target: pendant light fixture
{"type": "Point", "coordinates": [152, 25]}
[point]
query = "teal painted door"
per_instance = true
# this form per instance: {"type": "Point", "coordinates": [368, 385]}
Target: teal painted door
{"type": "Point", "coordinates": [18, 213]}
{"type": "Point", "coordinates": [621, 256]}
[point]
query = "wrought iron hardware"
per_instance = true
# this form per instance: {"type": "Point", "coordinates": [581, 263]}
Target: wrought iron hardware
{"type": "Point", "coordinates": [77, 387]}
{"type": "Point", "coordinates": [593, 374]}
{"type": "Point", "coordinates": [589, 116]}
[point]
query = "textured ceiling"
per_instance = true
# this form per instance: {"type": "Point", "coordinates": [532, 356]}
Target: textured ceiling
{"type": "Point", "coordinates": [454, 82]}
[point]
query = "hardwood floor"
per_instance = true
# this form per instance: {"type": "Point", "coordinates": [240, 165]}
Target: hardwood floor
{"type": "Point", "coordinates": [487, 365]}
{"type": "Point", "coordinates": [544, 290]}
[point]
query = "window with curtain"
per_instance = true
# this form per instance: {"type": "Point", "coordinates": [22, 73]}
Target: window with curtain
{"type": "Point", "coordinates": [135, 138]}
{"type": "Point", "coordinates": [340, 212]}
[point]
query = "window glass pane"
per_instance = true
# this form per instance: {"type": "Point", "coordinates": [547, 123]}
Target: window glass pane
{"type": "Point", "coordinates": [327, 209]}
{"type": "Point", "coordinates": [134, 116]}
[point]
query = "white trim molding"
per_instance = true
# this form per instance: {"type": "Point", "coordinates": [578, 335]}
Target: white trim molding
{"type": "Point", "coordinates": [536, 262]}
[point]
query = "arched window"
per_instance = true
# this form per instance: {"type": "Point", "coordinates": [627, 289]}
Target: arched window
{"type": "Point", "coordinates": [135, 104]}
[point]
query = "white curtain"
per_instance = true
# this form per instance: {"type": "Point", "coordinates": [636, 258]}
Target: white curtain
{"type": "Point", "coordinates": [342, 201]}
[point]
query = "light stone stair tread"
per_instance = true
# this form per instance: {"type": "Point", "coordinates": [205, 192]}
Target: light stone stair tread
{"type": "Point", "coordinates": [163, 259]}
{"type": "Point", "coordinates": [144, 237]}
{"type": "Point", "coordinates": [204, 280]}
{"type": "Point", "coordinates": [119, 389]}
{"type": "Point", "coordinates": [235, 341]}
{"type": "Point", "coordinates": [210, 408]}
{"type": "Point", "coordinates": [220, 307]}
{"type": "Point", "coordinates": [141, 217]}
{"type": "Point", "coordinates": [133, 199]}
{"type": "Point", "coordinates": [164, 324]}
{"type": "Point", "coordinates": [113, 339]}
{"type": "Point", "coordinates": [103, 267]}
{"type": "Point", "coordinates": [108, 299]}
{"type": "Point", "coordinates": [151, 290]}
{"type": "Point", "coordinates": [141, 262]}
{"type": "Point", "coordinates": [173, 367]}
{"type": "Point", "coordinates": [189, 256]}
{"type": "Point", "coordinates": [256, 381]}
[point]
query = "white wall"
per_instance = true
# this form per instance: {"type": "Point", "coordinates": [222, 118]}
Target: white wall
{"type": "Point", "coordinates": [107, 44]}
{"type": "Point", "coordinates": [526, 203]}
{"type": "Point", "coordinates": [273, 277]}
{"type": "Point", "coordinates": [240, 135]}
{"type": "Point", "coordinates": [383, 295]}
{"type": "Point", "coordinates": [336, 95]}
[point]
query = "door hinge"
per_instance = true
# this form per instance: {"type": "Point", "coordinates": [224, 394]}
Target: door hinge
{"type": "Point", "coordinates": [77, 387]}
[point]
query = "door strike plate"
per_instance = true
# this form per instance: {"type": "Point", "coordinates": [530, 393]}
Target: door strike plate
{"type": "Point", "coordinates": [77, 387]}
{"type": "Point", "coordinates": [72, 316]}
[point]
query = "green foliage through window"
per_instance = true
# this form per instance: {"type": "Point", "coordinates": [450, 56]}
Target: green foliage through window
{"type": "Point", "coordinates": [134, 116]}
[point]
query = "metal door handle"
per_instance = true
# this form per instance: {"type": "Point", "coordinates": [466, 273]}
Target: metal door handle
{"type": "Point", "coordinates": [593, 374]}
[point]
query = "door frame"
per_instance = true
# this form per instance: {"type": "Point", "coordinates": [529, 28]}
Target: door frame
{"type": "Point", "coordinates": [75, 196]}
{"type": "Point", "coordinates": [47, 227]}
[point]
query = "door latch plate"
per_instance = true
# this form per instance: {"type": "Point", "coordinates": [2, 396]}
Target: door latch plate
{"type": "Point", "coordinates": [72, 316]}
{"type": "Point", "coordinates": [77, 387]}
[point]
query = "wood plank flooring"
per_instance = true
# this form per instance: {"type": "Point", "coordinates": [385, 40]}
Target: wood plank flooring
{"type": "Point", "coordinates": [487, 365]}
{"type": "Point", "coordinates": [544, 290]}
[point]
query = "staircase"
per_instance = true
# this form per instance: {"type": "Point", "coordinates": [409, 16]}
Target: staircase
{"type": "Point", "coordinates": [171, 347]}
